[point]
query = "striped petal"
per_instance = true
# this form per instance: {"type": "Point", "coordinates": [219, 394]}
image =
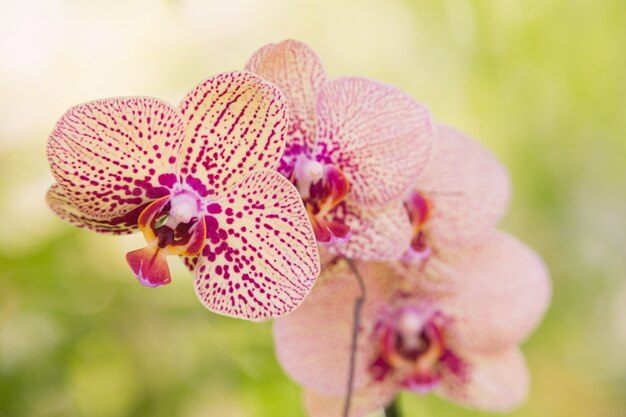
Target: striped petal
{"type": "Point", "coordinates": [60, 204]}
{"type": "Point", "coordinates": [468, 189]}
{"type": "Point", "coordinates": [495, 382]}
{"type": "Point", "coordinates": [298, 72]}
{"type": "Point", "coordinates": [501, 296]}
{"type": "Point", "coordinates": [378, 234]}
{"type": "Point", "coordinates": [236, 125]}
{"type": "Point", "coordinates": [113, 156]}
{"type": "Point", "coordinates": [260, 258]}
{"type": "Point", "coordinates": [377, 135]}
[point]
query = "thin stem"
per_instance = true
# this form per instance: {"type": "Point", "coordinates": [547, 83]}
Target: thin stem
{"type": "Point", "coordinates": [358, 304]}
{"type": "Point", "coordinates": [392, 410]}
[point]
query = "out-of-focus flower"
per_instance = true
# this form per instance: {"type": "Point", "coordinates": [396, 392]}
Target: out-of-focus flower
{"type": "Point", "coordinates": [354, 148]}
{"type": "Point", "coordinates": [197, 180]}
{"type": "Point", "coordinates": [461, 345]}
{"type": "Point", "coordinates": [458, 199]}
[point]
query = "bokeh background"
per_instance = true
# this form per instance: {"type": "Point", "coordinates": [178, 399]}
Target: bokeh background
{"type": "Point", "coordinates": [539, 82]}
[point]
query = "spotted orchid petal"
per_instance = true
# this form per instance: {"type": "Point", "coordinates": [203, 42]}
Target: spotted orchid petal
{"type": "Point", "coordinates": [377, 234]}
{"type": "Point", "coordinates": [494, 382]}
{"type": "Point", "coordinates": [260, 259]}
{"type": "Point", "coordinates": [363, 402]}
{"type": "Point", "coordinates": [501, 296]}
{"type": "Point", "coordinates": [467, 188]}
{"type": "Point", "coordinates": [63, 207]}
{"type": "Point", "coordinates": [298, 72]}
{"type": "Point", "coordinates": [236, 124]}
{"type": "Point", "coordinates": [377, 135]}
{"type": "Point", "coordinates": [109, 156]}
{"type": "Point", "coordinates": [319, 360]}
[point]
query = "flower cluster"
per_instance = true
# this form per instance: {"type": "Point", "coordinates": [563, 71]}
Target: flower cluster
{"type": "Point", "coordinates": [258, 174]}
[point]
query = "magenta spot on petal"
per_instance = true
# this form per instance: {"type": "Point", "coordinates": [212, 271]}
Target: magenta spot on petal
{"type": "Point", "coordinates": [214, 208]}
{"type": "Point", "coordinates": [197, 186]}
{"type": "Point", "coordinates": [167, 180]}
{"type": "Point", "coordinates": [151, 191]}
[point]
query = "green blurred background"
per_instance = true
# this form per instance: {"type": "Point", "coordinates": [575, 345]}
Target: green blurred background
{"type": "Point", "coordinates": [539, 82]}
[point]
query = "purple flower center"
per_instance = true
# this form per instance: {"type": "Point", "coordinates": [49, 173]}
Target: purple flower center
{"type": "Point", "coordinates": [171, 225]}
{"type": "Point", "coordinates": [322, 187]}
{"type": "Point", "coordinates": [174, 223]}
{"type": "Point", "coordinates": [412, 347]}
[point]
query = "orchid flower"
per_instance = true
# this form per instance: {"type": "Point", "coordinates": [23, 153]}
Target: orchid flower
{"type": "Point", "coordinates": [462, 345]}
{"type": "Point", "coordinates": [457, 201]}
{"type": "Point", "coordinates": [353, 148]}
{"type": "Point", "coordinates": [197, 180]}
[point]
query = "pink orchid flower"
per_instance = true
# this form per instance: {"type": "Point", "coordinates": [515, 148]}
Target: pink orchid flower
{"type": "Point", "coordinates": [196, 180]}
{"type": "Point", "coordinates": [458, 199]}
{"type": "Point", "coordinates": [461, 345]}
{"type": "Point", "coordinates": [353, 148]}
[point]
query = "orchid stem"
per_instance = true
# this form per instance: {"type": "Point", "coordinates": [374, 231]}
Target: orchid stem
{"type": "Point", "coordinates": [392, 410]}
{"type": "Point", "coordinates": [358, 304]}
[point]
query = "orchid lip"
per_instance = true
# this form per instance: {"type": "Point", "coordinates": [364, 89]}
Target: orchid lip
{"type": "Point", "coordinates": [322, 188]}
{"type": "Point", "coordinates": [172, 225]}
{"type": "Point", "coordinates": [419, 210]}
{"type": "Point", "coordinates": [412, 344]}
{"type": "Point", "coordinates": [328, 232]}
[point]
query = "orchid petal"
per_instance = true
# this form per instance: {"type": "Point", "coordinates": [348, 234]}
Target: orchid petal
{"type": "Point", "coordinates": [59, 202]}
{"type": "Point", "coordinates": [298, 72]}
{"type": "Point", "coordinates": [468, 189]}
{"type": "Point", "coordinates": [501, 295]}
{"type": "Point", "coordinates": [236, 124]}
{"type": "Point", "coordinates": [494, 382]}
{"type": "Point", "coordinates": [377, 135]}
{"type": "Point", "coordinates": [363, 402]}
{"type": "Point", "coordinates": [260, 258]}
{"type": "Point", "coordinates": [319, 360]}
{"type": "Point", "coordinates": [109, 156]}
{"type": "Point", "coordinates": [378, 234]}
